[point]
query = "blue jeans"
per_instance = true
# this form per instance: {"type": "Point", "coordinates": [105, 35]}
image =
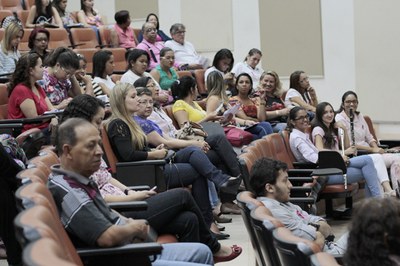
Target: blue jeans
{"type": "Point", "coordinates": [260, 130]}
{"type": "Point", "coordinates": [361, 167]}
{"type": "Point", "coordinates": [184, 254]}
{"type": "Point", "coordinates": [213, 195]}
{"type": "Point", "coordinates": [278, 127]}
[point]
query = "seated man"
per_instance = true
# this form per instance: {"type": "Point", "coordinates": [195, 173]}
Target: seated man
{"type": "Point", "coordinates": [79, 201]}
{"type": "Point", "coordinates": [185, 54]}
{"type": "Point", "coordinates": [270, 182]}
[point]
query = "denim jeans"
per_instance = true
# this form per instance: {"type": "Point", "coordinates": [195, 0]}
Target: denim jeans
{"type": "Point", "coordinates": [260, 130]}
{"type": "Point", "coordinates": [184, 254]}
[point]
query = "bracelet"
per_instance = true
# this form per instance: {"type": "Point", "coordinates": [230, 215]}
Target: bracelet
{"type": "Point", "coordinates": [126, 191]}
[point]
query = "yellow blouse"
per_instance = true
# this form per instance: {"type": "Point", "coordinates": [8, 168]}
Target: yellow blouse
{"type": "Point", "coordinates": [195, 114]}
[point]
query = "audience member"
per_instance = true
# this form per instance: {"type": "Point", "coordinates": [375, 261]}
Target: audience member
{"type": "Point", "coordinates": [129, 143]}
{"type": "Point", "coordinates": [269, 180]}
{"type": "Point", "coordinates": [59, 80]}
{"type": "Point", "coordinates": [374, 234]}
{"type": "Point", "coordinates": [85, 81]}
{"type": "Point", "coordinates": [363, 138]}
{"type": "Point", "coordinates": [89, 16]}
{"type": "Point", "coordinates": [326, 137]}
{"type": "Point", "coordinates": [103, 67]}
{"type": "Point", "coordinates": [218, 101]}
{"type": "Point", "coordinates": [123, 35]}
{"type": "Point", "coordinates": [151, 45]}
{"type": "Point", "coordinates": [164, 73]}
{"type": "Point", "coordinates": [43, 13]}
{"type": "Point", "coordinates": [66, 17]}
{"type": "Point", "coordinates": [27, 98]}
{"type": "Point", "coordinates": [78, 145]}
{"type": "Point", "coordinates": [301, 93]}
{"type": "Point", "coordinates": [161, 36]}
{"type": "Point", "coordinates": [249, 107]}
{"type": "Point", "coordinates": [249, 66]}
{"type": "Point", "coordinates": [9, 53]}
{"type": "Point", "coordinates": [223, 63]}
{"type": "Point", "coordinates": [271, 106]}
{"type": "Point", "coordinates": [138, 61]}
{"type": "Point", "coordinates": [185, 54]}
{"type": "Point", "coordinates": [304, 150]}
{"type": "Point", "coordinates": [38, 42]}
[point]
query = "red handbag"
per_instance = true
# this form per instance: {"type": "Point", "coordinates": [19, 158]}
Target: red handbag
{"type": "Point", "coordinates": [238, 137]}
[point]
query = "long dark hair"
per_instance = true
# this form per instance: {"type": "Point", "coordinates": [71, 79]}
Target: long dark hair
{"type": "Point", "coordinates": [158, 21]}
{"type": "Point", "coordinates": [100, 59]}
{"type": "Point", "coordinates": [56, 4]}
{"type": "Point", "coordinates": [222, 54]}
{"type": "Point", "coordinates": [84, 10]}
{"type": "Point", "coordinates": [329, 132]}
{"type": "Point", "coordinates": [292, 116]}
{"type": "Point", "coordinates": [39, 6]}
{"type": "Point", "coordinates": [22, 69]}
{"type": "Point", "coordinates": [249, 77]}
{"type": "Point", "coordinates": [347, 93]}
{"type": "Point", "coordinates": [64, 56]}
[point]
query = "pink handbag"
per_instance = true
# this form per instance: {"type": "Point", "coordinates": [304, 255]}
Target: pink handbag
{"type": "Point", "coordinates": [237, 137]}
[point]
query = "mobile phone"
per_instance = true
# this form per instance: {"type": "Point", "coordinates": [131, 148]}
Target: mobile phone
{"type": "Point", "coordinates": [154, 188]}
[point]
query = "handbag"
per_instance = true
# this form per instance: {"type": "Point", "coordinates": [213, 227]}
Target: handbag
{"type": "Point", "coordinates": [237, 137]}
{"type": "Point", "coordinates": [191, 131]}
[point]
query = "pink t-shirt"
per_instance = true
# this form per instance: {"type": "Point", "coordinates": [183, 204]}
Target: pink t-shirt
{"type": "Point", "coordinates": [19, 94]}
{"type": "Point", "coordinates": [126, 38]}
{"type": "Point", "coordinates": [320, 131]}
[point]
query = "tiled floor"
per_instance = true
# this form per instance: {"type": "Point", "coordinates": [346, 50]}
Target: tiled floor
{"type": "Point", "coordinates": [239, 236]}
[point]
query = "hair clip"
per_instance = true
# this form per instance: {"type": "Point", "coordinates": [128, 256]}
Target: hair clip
{"type": "Point", "coordinates": [178, 81]}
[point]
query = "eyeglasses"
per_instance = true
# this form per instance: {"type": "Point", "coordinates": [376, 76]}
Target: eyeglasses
{"type": "Point", "coordinates": [42, 40]}
{"type": "Point", "coordinates": [351, 102]}
{"type": "Point", "coordinates": [151, 29]}
{"type": "Point", "coordinates": [68, 73]}
{"type": "Point", "coordinates": [180, 32]}
{"type": "Point", "coordinates": [146, 103]}
{"type": "Point", "coordinates": [304, 117]}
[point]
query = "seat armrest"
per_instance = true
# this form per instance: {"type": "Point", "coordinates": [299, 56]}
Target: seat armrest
{"type": "Point", "coordinates": [390, 142]}
{"type": "Point", "coordinates": [302, 200]}
{"type": "Point", "coordinates": [123, 206]}
{"type": "Point", "coordinates": [327, 171]}
{"type": "Point", "coordinates": [144, 162]}
{"type": "Point", "coordinates": [300, 172]}
{"type": "Point", "coordinates": [139, 188]}
{"type": "Point", "coordinates": [11, 125]}
{"type": "Point", "coordinates": [139, 249]}
{"type": "Point", "coordinates": [302, 179]}
{"type": "Point", "coordinates": [304, 165]}
{"type": "Point", "coordinates": [34, 120]}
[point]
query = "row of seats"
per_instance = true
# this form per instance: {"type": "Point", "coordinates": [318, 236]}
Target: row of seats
{"type": "Point", "coordinates": [16, 5]}
{"type": "Point", "coordinates": [273, 244]}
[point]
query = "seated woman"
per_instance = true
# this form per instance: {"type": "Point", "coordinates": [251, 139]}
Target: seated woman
{"type": "Point", "coordinates": [138, 61]}
{"type": "Point", "coordinates": [165, 73]}
{"type": "Point", "coordinates": [362, 137]}
{"type": "Point", "coordinates": [325, 136]}
{"type": "Point", "coordinates": [190, 165]}
{"type": "Point", "coordinates": [161, 36]}
{"type": "Point", "coordinates": [223, 63]}
{"type": "Point", "coordinates": [167, 212]}
{"type": "Point", "coordinates": [250, 109]}
{"type": "Point", "coordinates": [27, 98]}
{"type": "Point", "coordinates": [271, 107]}
{"type": "Point", "coordinates": [38, 42]}
{"type": "Point", "coordinates": [66, 17]}
{"type": "Point", "coordinates": [301, 93]}
{"type": "Point", "coordinates": [9, 53]}
{"type": "Point", "coordinates": [122, 34]}
{"type": "Point", "coordinates": [374, 234]}
{"type": "Point", "coordinates": [59, 80]}
{"type": "Point", "coordinates": [359, 168]}
{"type": "Point", "coordinates": [103, 67]}
{"type": "Point", "coordinates": [89, 16]}
{"type": "Point", "coordinates": [249, 66]}
{"type": "Point", "coordinates": [42, 13]}
{"type": "Point", "coordinates": [217, 101]}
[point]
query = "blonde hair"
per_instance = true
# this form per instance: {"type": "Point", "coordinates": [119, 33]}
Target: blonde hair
{"type": "Point", "coordinates": [10, 33]}
{"type": "Point", "coordinates": [278, 84]}
{"type": "Point", "coordinates": [119, 111]}
{"type": "Point", "coordinates": [216, 86]}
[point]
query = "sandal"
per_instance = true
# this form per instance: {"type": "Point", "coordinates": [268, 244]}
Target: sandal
{"type": "Point", "coordinates": [236, 251]}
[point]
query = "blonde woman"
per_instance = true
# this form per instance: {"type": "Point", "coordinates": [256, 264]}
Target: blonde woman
{"type": "Point", "coordinates": [9, 53]}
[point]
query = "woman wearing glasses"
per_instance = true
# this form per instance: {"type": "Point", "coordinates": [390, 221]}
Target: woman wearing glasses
{"type": "Point", "coordinates": [59, 80]}
{"type": "Point", "coordinates": [38, 42]}
{"type": "Point", "coordinates": [304, 150]}
{"type": "Point", "coordinates": [301, 93]}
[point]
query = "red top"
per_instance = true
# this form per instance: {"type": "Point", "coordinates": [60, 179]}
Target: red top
{"type": "Point", "coordinates": [19, 94]}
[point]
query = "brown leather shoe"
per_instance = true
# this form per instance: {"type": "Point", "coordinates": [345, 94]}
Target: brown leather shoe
{"type": "Point", "coordinates": [229, 208]}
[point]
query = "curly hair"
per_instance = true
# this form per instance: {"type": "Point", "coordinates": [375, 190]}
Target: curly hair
{"type": "Point", "coordinates": [374, 233]}
{"type": "Point", "coordinates": [329, 132]}
{"type": "Point", "coordinates": [21, 73]}
{"type": "Point", "coordinates": [82, 106]}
